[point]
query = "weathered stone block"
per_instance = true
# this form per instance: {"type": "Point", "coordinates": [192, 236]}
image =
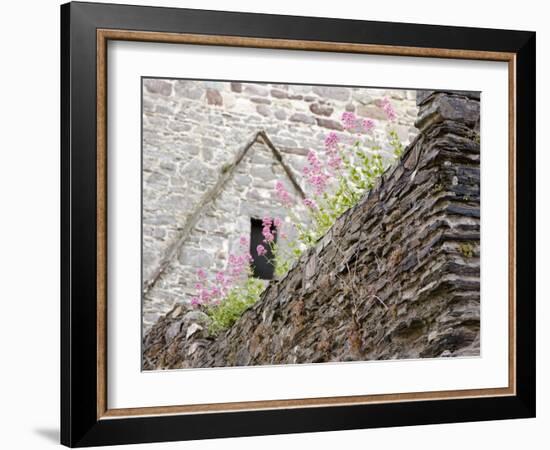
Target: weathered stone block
{"type": "Point", "coordinates": [371, 111]}
{"type": "Point", "coordinates": [303, 118]}
{"type": "Point", "coordinates": [321, 110]}
{"type": "Point", "coordinates": [156, 86]}
{"type": "Point", "coordinates": [263, 110]}
{"type": "Point", "coordinates": [332, 92]}
{"type": "Point", "coordinates": [261, 100]}
{"type": "Point", "coordinates": [439, 107]}
{"type": "Point", "coordinates": [195, 258]}
{"type": "Point", "coordinates": [330, 124]}
{"type": "Point", "coordinates": [191, 91]}
{"type": "Point", "coordinates": [213, 97]}
{"type": "Point", "coordinates": [280, 114]}
{"type": "Point", "coordinates": [277, 93]}
{"type": "Point", "coordinates": [236, 87]}
{"type": "Point", "coordinates": [256, 90]}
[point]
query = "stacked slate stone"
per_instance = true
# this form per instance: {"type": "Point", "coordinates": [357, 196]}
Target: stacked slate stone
{"type": "Point", "coordinates": [396, 277]}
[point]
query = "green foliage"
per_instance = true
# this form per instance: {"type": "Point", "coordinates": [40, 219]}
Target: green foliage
{"type": "Point", "coordinates": [281, 262]}
{"type": "Point", "coordinates": [396, 144]}
{"type": "Point", "coordinates": [352, 182]}
{"type": "Point", "coordinates": [234, 304]}
{"type": "Point", "coordinates": [358, 174]}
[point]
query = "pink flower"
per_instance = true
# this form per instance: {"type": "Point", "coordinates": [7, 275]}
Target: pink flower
{"type": "Point", "coordinates": [335, 162]}
{"type": "Point", "coordinates": [331, 141]}
{"type": "Point", "coordinates": [260, 249]}
{"type": "Point", "coordinates": [315, 174]}
{"type": "Point", "coordinates": [204, 295]}
{"type": "Point", "coordinates": [319, 182]}
{"type": "Point", "coordinates": [349, 120]}
{"type": "Point", "coordinates": [368, 125]}
{"type": "Point", "coordinates": [237, 266]}
{"type": "Point", "coordinates": [236, 272]}
{"type": "Point", "coordinates": [267, 234]}
{"type": "Point", "coordinates": [310, 203]}
{"type": "Point", "coordinates": [331, 145]}
{"type": "Point", "coordinates": [267, 222]}
{"type": "Point", "coordinates": [387, 107]}
{"type": "Point", "coordinates": [313, 160]}
{"type": "Point", "coordinates": [201, 274]}
{"type": "Point", "coordinates": [277, 222]}
{"type": "Point", "coordinates": [282, 194]}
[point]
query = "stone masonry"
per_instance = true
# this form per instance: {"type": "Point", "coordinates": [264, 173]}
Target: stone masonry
{"type": "Point", "coordinates": [396, 277]}
{"type": "Point", "coordinates": [193, 134]}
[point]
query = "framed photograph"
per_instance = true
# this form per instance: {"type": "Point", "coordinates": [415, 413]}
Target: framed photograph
{"type": "Point", "coordinates": [276, 224]}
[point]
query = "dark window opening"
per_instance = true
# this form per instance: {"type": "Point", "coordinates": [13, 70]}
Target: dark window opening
{"type": "Point", "coordinates": [262, 266]}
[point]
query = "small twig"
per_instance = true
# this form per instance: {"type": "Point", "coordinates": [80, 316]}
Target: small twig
{"type": "Point", "coordinates": [377, 263]}
{"type": "Point", "coordinates": [380, 300]}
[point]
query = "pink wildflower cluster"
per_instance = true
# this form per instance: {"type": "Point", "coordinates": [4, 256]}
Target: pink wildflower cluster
{"type": "Point", "coordinates": [368, 125]}
{"type": "Point", "coordinates": [267, 223]}
{"type": "Point", "coordinates": [282, 194]}
{"type": "Point", "coordinates": [388, 109]}
{"type": "Point", "coordinates": [318, 175]}
{"type": "Point", "coordinates": [271, 226]}
{"type": "Point", "coordinates": [331, 141]}
{"type": "Point", "coordinates": [352, 123]}
{"type": "Point", "coordinates": [314, 173]}
{"type": "Point", "coordinates": [349, 120]}
{"type": "Point", "coordinates": [335, 162]}
{"type": "Point", "coordinates": [211, 292]}
{"type": "Point", "coordinates": [333, 151]}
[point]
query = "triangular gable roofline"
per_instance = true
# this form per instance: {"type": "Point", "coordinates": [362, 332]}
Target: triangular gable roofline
{"type": "Point", "coordinates": [225, 175]}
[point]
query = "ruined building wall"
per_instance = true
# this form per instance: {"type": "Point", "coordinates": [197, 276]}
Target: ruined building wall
{"type": "Point", "coordinates": [219, 225]}
{"type": "Point", "coordinates": [193, 129]}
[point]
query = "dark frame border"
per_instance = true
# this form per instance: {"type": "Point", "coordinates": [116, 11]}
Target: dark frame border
{"type": "Point", "coordinates": [80, 425]}
{"type": "Point", "coordinates": [104, 36]}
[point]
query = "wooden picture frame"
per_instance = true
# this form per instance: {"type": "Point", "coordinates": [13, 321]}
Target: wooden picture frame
{"type": "Point", "coordinates": [86, 418]}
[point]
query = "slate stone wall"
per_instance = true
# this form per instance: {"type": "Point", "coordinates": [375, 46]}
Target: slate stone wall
{"type": "Point", "coordinates": [396, 277]}
{"type": "Point", "coordinates": [192, 130]}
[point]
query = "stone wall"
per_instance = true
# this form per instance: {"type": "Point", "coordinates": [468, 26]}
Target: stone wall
{"type": "Point", "coordinates": [396, 277]}
{"type": "Point", "coordinates": [192, 132]}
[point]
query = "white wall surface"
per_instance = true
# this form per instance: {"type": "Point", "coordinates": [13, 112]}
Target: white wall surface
{"type": "Point", "coordinates": [29, 237]}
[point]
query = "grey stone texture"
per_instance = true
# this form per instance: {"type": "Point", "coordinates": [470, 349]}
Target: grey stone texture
{"type": "Point", "coordinates": [193, 130]}
{"type": "Point", "coordinates": [396, 277]}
